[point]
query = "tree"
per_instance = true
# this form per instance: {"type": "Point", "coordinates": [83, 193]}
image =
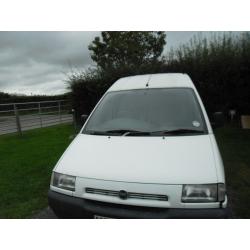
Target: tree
{"type": "Point", "coordinates": [127, 50]}
{"type": "Point", "coordinates": [3, 96]}
{"type": "Point", "coordinates": [117, 54]}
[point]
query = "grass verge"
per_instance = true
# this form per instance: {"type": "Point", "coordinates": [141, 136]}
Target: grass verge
{"type": "Point", "coordinates": [234, 144]}
{"type": "Point", "coordinates": [25, 168]}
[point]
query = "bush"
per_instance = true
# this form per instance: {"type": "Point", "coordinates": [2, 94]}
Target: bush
{"type": "Point", "coordinates": [89, 86]}
{"type": "Point", "coordinates": [219, 67]}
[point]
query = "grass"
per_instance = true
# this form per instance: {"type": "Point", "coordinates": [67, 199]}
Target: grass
{"type": "Point", "coordinates": [26, 163]}
{"type": "Point", "coordinates": [25, 168]}
{"type": "Point", "coordinates": [234, 144]}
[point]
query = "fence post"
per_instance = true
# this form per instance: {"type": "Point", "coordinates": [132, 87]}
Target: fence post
{"type": "Point", "coordinates": [39, 108]}
{"type": "Point", "coordinates": [74, 119]}
{"type": "Point", "coordinates": [59, 110]}
{"type": "Point", "coordinates": [18, 124]}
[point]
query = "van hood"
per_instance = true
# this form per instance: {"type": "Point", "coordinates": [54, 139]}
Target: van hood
{"type": "Point", "coordinates": [173, 160]}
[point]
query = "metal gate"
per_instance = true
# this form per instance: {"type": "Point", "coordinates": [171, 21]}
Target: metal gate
{"type": "Point", "coordinates": [18, 117]}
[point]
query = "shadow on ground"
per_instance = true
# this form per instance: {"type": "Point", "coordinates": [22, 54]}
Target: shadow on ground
{"type": "Point", "coordinates": [46, 213]}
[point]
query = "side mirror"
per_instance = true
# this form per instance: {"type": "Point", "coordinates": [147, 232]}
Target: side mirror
{"type": "Point", "coordinates": [218, 120]}
{"type": "Point", "coordinates": [84, 118]}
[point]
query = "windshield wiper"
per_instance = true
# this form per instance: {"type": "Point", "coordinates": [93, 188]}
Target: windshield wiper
{"type": "Point", "coordinates": [95, 132]}
{"type": "Point", "coordinates": [178, 131]}
{"type": "Point", "coordinates": [122, 132]}
{"type": "Point", "coordinates": [130, 132]}
{"type": "Point", "coordinates": [136, 133]}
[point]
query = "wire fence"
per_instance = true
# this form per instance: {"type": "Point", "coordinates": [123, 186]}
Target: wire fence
{"type": "Point", "coordinates": [18, 117]}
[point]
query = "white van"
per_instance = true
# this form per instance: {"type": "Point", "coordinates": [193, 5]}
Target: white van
{"type": "Point", "coordinates": [147, 150]}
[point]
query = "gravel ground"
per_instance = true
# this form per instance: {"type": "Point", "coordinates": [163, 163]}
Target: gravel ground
{"type": "Point", "coordinates": [46, 213]}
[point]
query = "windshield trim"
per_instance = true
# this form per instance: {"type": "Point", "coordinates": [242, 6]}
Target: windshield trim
{"type": "Point", "coordinates": [84, 131]}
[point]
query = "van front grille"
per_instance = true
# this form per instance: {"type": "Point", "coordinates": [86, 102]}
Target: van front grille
{"type": "Point", "coordinates": [101, 191]}
{"type": "Point", "coordinates": [130, 195]}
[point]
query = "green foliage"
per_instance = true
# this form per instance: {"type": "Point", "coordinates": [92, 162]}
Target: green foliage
{"type": "Point", "coordinates": [87, 88]}
{"type": "Point", "coordinates": [117, 54]}
{"type": "Point", "coordinates": [220, 68]}
{"type": "Point", "coordinates": [4, 95]}
{"type": "Point", "coordinates": [127, 50]}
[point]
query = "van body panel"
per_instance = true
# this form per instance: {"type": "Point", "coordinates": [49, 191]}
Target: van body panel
{"type": "Point", "coordinates": [142, 159]}
{"type": "Point", "coordinates": [217, 160]}
{"type": "Point", "coordinates": [171, 80]}
{"type": "Point", "coordinates": [150, 166]}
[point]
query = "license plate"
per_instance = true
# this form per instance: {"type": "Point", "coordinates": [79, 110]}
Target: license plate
{"type": "Point", "coordinates": [96, 216]}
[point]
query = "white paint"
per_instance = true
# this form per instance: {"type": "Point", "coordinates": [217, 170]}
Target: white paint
{"type": "Point", "coordinates": [145, 164]}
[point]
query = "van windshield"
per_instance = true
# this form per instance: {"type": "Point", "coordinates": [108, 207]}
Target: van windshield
{"type": "Point", "coordinates": [147, 112]}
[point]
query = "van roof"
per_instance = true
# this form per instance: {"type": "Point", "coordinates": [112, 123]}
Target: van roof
{"type": "Point", "coordinates": [164, 80]}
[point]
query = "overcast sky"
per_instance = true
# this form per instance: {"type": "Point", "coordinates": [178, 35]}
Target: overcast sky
{"type": "Point", "coordinates": [36, 62]}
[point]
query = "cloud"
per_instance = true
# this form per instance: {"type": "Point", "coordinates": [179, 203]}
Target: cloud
{"type": "Point", "coordinates": [36, 62]}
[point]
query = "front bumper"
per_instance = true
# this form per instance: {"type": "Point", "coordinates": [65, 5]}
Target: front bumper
{"type": "Point", "coordinates": [73, 207]}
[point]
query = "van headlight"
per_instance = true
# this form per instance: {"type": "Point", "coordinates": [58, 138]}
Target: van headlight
{"type": "Point", "coordinates": [63, 181]}
{"type": "Point", "coordinates": [203, 193]}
